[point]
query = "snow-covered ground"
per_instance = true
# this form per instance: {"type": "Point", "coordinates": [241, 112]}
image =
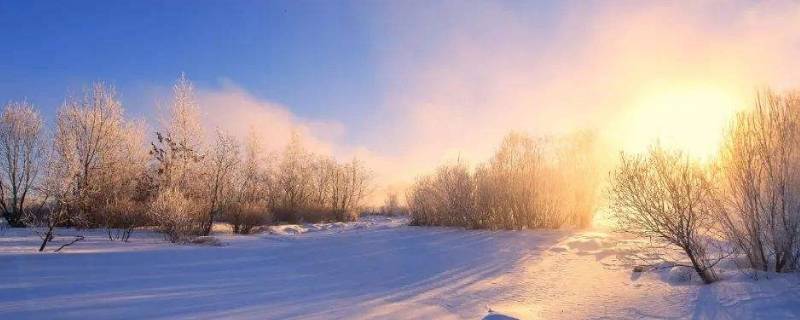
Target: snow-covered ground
{"type": "Point", "coordinates": [374, 268]}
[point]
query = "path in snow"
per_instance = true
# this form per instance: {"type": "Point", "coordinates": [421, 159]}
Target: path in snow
{"type": "Point", "coordinates": [374, 269]}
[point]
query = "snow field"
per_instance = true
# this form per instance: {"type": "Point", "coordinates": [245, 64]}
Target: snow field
{"type": "Point", "coordinates": [374, 268]}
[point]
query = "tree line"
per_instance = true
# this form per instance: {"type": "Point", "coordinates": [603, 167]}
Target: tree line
{"type": "Point", "coordinates": [98, 169]}
{"type": "Point", "coordinates": [529, 183]}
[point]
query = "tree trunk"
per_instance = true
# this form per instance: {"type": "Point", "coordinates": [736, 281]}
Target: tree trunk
{"type": "Point", "coordinates": [780, 262]}
{"type": "Point", "coordinates": [209, 223]}
{"type": "Point", "coordinates": [47, 237]}
{"type": "Point", "coordinates": [704, 273]}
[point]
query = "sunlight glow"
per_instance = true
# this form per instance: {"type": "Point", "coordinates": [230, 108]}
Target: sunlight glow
{"type": "Point", "coordinates": [690, 118]}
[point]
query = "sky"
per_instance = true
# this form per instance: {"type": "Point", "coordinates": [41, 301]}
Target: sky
{"type": "Point", "coordinates": [407, 85]}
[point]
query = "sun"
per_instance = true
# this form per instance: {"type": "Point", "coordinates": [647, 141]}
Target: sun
{"type": "Point", "coordinates": [692, 118]}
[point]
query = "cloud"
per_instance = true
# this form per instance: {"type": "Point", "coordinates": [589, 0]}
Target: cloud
{"type": "Point", "coordinates": [235, 111]}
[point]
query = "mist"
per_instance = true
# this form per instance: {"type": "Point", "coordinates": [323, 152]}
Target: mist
{"type": "Point", "coordinates": [453, 86]}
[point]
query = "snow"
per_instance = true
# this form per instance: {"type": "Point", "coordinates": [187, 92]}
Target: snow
{"type": "Point", "coordinates": [375, 268]}
{"type": "Point", "coordinates": [369, 222]}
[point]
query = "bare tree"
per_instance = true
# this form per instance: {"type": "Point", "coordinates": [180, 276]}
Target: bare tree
{"type": "Point", "coordinates": [176, 166]}
{"type": "Point", "coordinates": [21, 153]}
{"type": "Point", "coordinates": [760, 161]}
{"type": "Point", "coordinates": [126, 187]}
{"type": "Point", "coordinates": [667, 196]}
{"type": "Point", "coordinates": [86, 130]}
{"type": "Point", "coordinates": [108, 160]}
{"type": "Point", "coordinates": [528, 183]}
{"type": "Point", "coordinates": [249, 204]}
{"type": "Point", "coordinates": [253, 173]}
{"type": "Point", "coordinates": [220, 165]}
{"type": "Point", "coordinates": [179, 147]}
{"type": "Point", "coordinates": [524, 185]}
{"type": "Point", "coordinates": [175, 215]}
{"type": "Point", "coordinates": [349, 186]}
{"type": "Point", "coordinates": [323, 173]}
{"type": "Point", "coordinates": [183, 123]}
{"type": "Point", "coordinates": [446, 198]}
{"type": "Point", "coordinates": [244, 216]}
{"type": "Point", "coordinates": [58, 206]}
{"type": "Point", "coordinates": [294, 179]}
{"type": "Point", "coordinates": [511, 185]}
{"type": "Point", "coordinates": [311, 187]}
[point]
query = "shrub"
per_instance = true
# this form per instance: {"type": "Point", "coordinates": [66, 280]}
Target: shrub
{"type": "Point", "coordinates": [528, 183]}
{"type": "Point", "coordinates": [760, 162]}
{"type": "Point", "coordinates": [667, 196]}
{"type": "Point", "coordinates": [309, 188]}
{"type": "Point", "coordinates": [243, 217]}
{"type": "Point", "coordinates": [520, 187]}
{"type": "Point", "coordinates": [446, 198]}
{"type": "Point", "coordinates": [312, 215]}
{"type": "Point", "coordinates": [175, 215]}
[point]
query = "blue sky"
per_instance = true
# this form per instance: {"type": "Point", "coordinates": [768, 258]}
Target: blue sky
{"type": "Point", "coordinates": [342, 61]}
{"type": "Point", "coordinates": [319, 58]}
{"type": "Point", "coordinates": [313, 56]}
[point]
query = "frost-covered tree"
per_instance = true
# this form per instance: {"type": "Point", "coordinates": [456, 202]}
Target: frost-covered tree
{"type": "Point", "coordinates": [174, 214]}
{"type": "Point", "coordinates": [127, 187]}
{"type": "Point", "coordinates": [179, 146]}
{"type": "Point", "coordinates": [60, 202]}
{"type": "Point", "coordinates": [760, 162]}
{"type": "Point", "coordinates": [177, 165]}
{"type": "Point", "coordinates": [253, 176]}
{"type": "Point", "coordinates": [220, 165]}
{"type": "Point", "coordinates": [667, 196]}
{"type": "Point", "coordinates": [249, 203]}
{"type": "Point", "coordinates": [350, 184]}
{"type": "Point", "coordinates": [323, 172]}
{"type": "Point", "coordinates": [311, 187]}
{"type": "Point", "coordinates": [447, 198]}
{"type": "Point", "coordinates": [293, 179]}
{"type": "Point", "coordinates": [528, 183]}
{"type": "Point", "coordinates": [104, 153]}
{"type": "Point", "coordinates": [518, 185]}
{"type": "Point", "coordinates": [22, 147]}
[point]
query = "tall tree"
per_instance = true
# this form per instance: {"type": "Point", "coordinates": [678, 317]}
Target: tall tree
{"type": "Point", "coordinates": [178, 148]}
{"type": "Point", "coordinates": [221, 162]}
{"type": "Point", "coordinates": [21, 154]}
{"type": "Point", "coordinates": [91, 132]}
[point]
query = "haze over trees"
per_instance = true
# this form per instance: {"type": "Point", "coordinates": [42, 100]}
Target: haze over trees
{"type": "Point", "coordinates": [528, 184]}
